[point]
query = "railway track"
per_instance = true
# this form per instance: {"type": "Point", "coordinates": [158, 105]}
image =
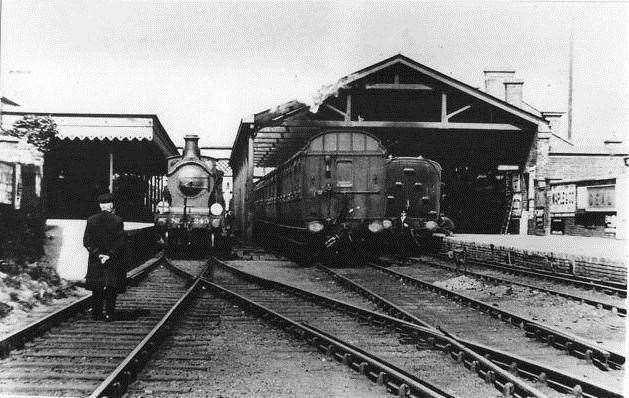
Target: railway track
{"type": "Point", "coordinates": [221, 350]}
{"type": "Point", "coordinates": [599, 298]}
{"type": "Point", "coordinates": [486, 334]}
{"type": "Point", "coordinates": [528, 357]}
{"type": "Point", "coordinates": [324, 281]}
{"type": "Point", "coordinates": [405, 346]}
{"type": "Point", "coordinates": [68, 354]}
{"type": "Point", "coordinates": [18, 338]}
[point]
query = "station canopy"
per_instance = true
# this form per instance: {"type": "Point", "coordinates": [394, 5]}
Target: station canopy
{"type": "Point", "coordinates": [413, 109]}
{"type": "Point", "coordinates": [129, 132]}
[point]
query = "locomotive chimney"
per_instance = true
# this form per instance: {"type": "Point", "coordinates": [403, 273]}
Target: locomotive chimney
{"type": "Point", "coordinates": [191, 148]}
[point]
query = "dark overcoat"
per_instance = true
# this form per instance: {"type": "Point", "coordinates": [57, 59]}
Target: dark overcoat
{"type": "Point", "coordinates": [104, 234]}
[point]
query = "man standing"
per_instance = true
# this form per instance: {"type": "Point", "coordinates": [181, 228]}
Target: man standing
{"type": "Point", "coordinates": [106, 274]}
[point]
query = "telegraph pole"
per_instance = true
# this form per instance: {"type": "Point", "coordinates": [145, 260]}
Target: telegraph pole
{"type": "Point", "coordinates": [570, 81]}
{"type": "Point", "coordinates": [0, 65]}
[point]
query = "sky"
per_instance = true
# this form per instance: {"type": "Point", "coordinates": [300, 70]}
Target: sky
{"type": "Point", "coordinates": [202, 66]}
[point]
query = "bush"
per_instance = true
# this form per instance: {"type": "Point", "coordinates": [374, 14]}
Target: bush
{"type": "Point", "coordinates": [22, 234]}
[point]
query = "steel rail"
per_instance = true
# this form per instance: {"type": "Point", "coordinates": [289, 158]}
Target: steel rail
{"type": "Point", "coordinates": [375, 357]}
{"type": "Point", "coordinates": [573, 345]}
{"type": "Point", "coordinates": [37, 328]}
{"type": "Point", "coordinates": [117, 382]}
{"type": "Point", "coordinates": [374, 369]}
{"type": "Point", "coordinates": [532, 370]}
{"type": "Point", "coordinates": [620, 310]}
{"type": "Point", "coordinates": [483, 367]}
{"type": "Point", "coordinates": [384, 304]}
{"type": "Point", "coordinates": [588, 283]}
{"type": "Point", "coordinates": [369, 365]}
{"type": "Point", "coordinates": [515, 364]}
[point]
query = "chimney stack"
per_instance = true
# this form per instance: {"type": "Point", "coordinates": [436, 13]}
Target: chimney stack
{"type": "Point", "coordinates": [513, 92]}
{"type": "Point", "coordinates": [191, 148]}
{"type": "Point", "coordinates": [495, 79]}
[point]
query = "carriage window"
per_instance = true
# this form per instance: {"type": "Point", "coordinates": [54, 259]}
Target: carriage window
{"type": "Point", "coordinates": [372, 145]}
{"type": "Point", "coordinates": [317, 144]}
{"type": "Point", "coordinates": [330, 142]}
{"type": "Point", "coordinates": [358, 143]}
{"type": "Point", "coordinates": [345, 141]}
{"type": "Point", "coordinates": [344, 173]}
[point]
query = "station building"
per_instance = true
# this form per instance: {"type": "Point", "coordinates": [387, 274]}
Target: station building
{"type": "Point", "coordinates": [588, 190]}
{"type": "Point", "coordinates": [123, 153]}
{"type": "Point", "coordinates": [501, 157]}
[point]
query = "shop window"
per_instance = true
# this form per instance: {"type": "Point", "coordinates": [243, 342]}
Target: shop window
{"type": "Point", "coordinates": [590, 220]}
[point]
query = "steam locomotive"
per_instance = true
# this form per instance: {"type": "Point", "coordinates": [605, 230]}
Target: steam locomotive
{"type": "Point", "coordinates": [341, 195]}
{"type": "Point", "coordinates": [192, 214]}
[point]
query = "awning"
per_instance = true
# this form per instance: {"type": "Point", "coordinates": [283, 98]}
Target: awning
{"type": "Point", "coordinates": [103, 127]}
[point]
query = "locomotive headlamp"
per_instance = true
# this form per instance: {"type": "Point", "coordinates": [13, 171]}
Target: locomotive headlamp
{"type": "Point", "coordinates": [315, 226]}
{"type": "Point", "coordinates": [216, 209]}
{"type": "Point", "coordinates": [375, 226]}
{"type": "Point", "coordinates": [387, 224]}
{"type": "Point", "coordinates": [216, 222]}
{"type": "Point", "coordinates": [431, 225]}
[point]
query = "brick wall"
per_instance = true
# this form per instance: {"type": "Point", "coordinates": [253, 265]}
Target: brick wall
{"type": "Point", "coordinates": [590, 267]}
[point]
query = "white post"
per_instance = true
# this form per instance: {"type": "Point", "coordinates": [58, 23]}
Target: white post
{"type": "Point", "coordinates": [0, 64]}
{"type": "Point", "coordinates": [111, 170]}
{"type": "Point", "coordinates": [17, 186]}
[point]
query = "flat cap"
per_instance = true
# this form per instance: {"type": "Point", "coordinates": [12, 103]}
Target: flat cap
{"type": "Point", "coordinates": [105, 198]}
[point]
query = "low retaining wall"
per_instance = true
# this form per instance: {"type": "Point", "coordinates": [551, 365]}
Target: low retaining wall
{"type": "Point", "coordinates": [590, 267]}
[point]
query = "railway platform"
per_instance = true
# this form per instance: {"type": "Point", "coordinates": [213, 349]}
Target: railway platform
{"type": "Point", "coordinates": [596, 258]}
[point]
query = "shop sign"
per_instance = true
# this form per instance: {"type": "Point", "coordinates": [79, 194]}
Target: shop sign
{"type": "Point", "coordinates": [601, 198]}
{"type": "Point", "coordinates": [6, 183]}
{"type": "Point", "coordinates": [563, 198]}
